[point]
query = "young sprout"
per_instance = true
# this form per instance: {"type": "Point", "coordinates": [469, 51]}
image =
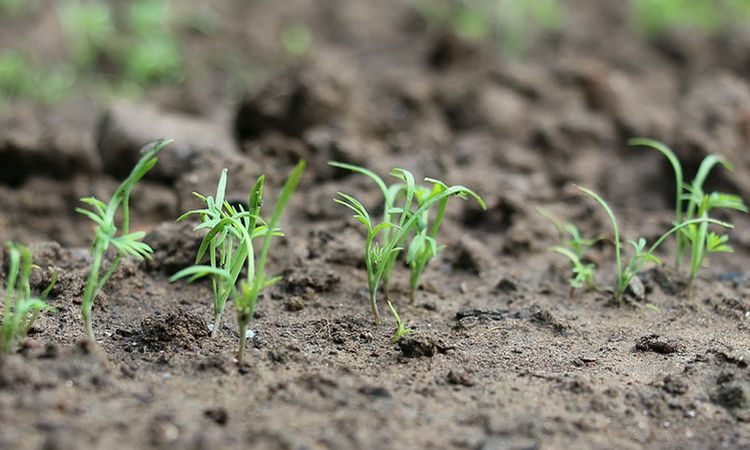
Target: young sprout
{"type": "Point", "coordinates": [390, 195]}
{"type": "Point", "coordinates": [583, 273]}
{"type": "Point", "coordinates": [125, 243]}
{"type": "Point", "coordinates": [698, 205]}
{"type": "Point", "coordinates": [401, 330]}
{"type": "Point", "coordinates": [229, 243]}
{"type": "Point", "coordinates": [703, 241]}
{"type": "Point", "coordinates": [641, 253]}
{"type": "Point", "coordinates": [385, 240]}
{"type": "Point", "coordinates": [574, 247]}
{"type": "Point", "coordinates": [20, 308]}
{"type": "Point", "coordinates": [222, 243]}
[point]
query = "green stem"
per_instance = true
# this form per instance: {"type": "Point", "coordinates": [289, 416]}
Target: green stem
{"type": "Point", "coordinates": [374, 306]}
{"type": "Point", "coordinates": [92, 286]}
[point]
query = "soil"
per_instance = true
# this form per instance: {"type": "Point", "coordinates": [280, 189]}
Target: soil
{"type": "Point", "coordinates": [501, 355]}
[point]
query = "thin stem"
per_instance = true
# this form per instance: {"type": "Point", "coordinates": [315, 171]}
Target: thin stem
{"type": "Point", "coordinates": [92, 286]}
{"type": "Point", "coordinates": [243, 339]}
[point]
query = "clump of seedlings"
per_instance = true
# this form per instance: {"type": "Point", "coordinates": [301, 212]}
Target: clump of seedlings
{"type": "Point", "coordinates": [410, 219]}
{"type": "Point", "coordinates": [626, 274]}
{"type": "Point", "coordinates": [20, 308]}
{"type": "Point", "coordinates": [692, 202]}
{"type": "Point", "coordinates": [574, 247]}
{"type": "Point", "coordinates": [229, 245]}
{"type": "Point", "coordinates": [108, 234]}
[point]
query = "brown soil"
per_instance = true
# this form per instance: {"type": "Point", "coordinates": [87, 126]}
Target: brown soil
{"type": "Point", "coordinates": [501, 356]}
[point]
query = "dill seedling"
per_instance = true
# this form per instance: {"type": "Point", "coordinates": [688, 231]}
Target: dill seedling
{"type": "Point", "coordinates": [702, 241]}
{"type": "Point", "coordinates": [574, 247]}
{"type": "Point", "coordinates": [20, 308]}
{"type": "Point", "coordinates": [641, 253]}
{"type": "Point", "coordinates": [401, 330]}
{"type": "Point", "coordinates": [691, 203]}
{"type": "Point", "coordinates": [229, 244]}
{"type": "Point", "coordinates": [124, 242]}
{"type": "Point", "coordinates": [385, 240]}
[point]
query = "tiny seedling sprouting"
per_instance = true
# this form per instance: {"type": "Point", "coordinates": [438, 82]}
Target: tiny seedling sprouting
{"type": "Point", "coordinates": [385, 240]}
{"type": "Point", "coordinates": [690, 203]}
{"type": "Point", "coordinates": [390, 196]}
{"type": "Point", "coordinates": [702, 241]}
{"type": "Point", "coordinates": [20, 308]}
{"type": "Point", "coordinates": [125, 243]}
{"type": "Point", "coordinates": [574, 247]}
{"type": "Point", "coordinates": [229, 243]}
{"type": "Point", "coordinates": [401, 330]}
{"type": "Point", "coordinates": [642, 254]}
{"type": "Point", "coordinates": [583, 273]}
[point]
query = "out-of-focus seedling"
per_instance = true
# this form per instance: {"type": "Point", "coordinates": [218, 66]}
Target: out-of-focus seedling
{"type": "Point", "coordinates": [20, 308]}
{"type": "Point", "coordinates": [574, 247]}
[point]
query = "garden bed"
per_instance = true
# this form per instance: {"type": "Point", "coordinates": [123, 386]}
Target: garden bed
{"type": "Point", "coordinates": [501, 355]}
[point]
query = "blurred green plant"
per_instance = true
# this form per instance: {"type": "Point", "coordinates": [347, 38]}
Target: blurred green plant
{"type": "Point", "coordinates": [297, 39]}
{"type": "Point", "coordinates": [88, 28]}
{"type": "Point", "coordinates": [654, 17]}
{"type": "Point", "coordinates": [20, 308]}
{"type": "Point", "coordinates": [120, 49]}
{"type": "Point", "coordinates": [20, 77]}
{"type": "Point", "coordinates": [515, 24]}
{"type": "Point", "coordinates": [16, 8]}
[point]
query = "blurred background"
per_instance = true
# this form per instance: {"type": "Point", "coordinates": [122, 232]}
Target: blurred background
{"type": "Point", "coordinates": [518, 98]}
{"type": "Point", "coordinates": [54, 50]}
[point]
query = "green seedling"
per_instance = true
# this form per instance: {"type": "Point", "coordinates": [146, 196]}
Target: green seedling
{"type": "Point", "coordinates": [297, 39]}
{"type": "Point", "coordinates": [390, 196]}
{"type": "Point", "coordinates": [514, 24]}
{"type": "Point", "coordinates": [108, 234]}
{"type": "Point", "coordinates": [89, 30]}
{"type": "Point", "coordinates": [401, 330]}
{"type": "Point", "coordinates": [574, 247]}
{"type": "Point", "coordinates": [151, 52]}
{"type": "Point", "coordinates": [702, 241]}
{"type": "Point", "coordinates": [642, 254]}
{"type": "Point", "coordinates": [423, 246]}
{"type": "Point", "coordinates": [654, 17]}
{"type": "Point", "coordinates": [20, 308]}
{"type": "Point", "coordinates": [583, 273]}
{"type": "Point", "coordinates": [229, 244]}
{"type": "Point", "coordinates": [691, 202]}
{"type": "Point", "coordinates": [385, 240]}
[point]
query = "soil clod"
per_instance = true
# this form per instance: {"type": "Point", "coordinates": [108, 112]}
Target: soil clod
{"type": "Point", "coordinates": [658, 344]}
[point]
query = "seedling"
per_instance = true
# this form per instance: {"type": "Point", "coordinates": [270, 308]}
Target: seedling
{"type": "Point", "coordinates": [574, 247]}
{"type": "Point", "coordinates": [89, 29]}
{"type": "Point", "coordinates": [297, 39]}
{"type": "Point", "coordinates": [390, 195]}
{"type": "Point", "coordinates": [583, 273]}
{"type": "Point", "coordinates": [229, 243]}
{"type": "Point", "coordinates": [515, 24]}
{"type": "Point", "coordinates": [401, 330]}
{"type": "Point", "coordinates": [641, 253]}
{"type": "Point", "coordinates": [703, 241]}
{"type": "Point", "coordinates": [696, 237]}
{"type": "Point", "coordinates": [654, 17]}
{"type": "Point", "coordinates": [20, 308]}
{"type": "Point", "coordinates": [124, 242]}
{"type": "Point", "coordinates": [385, 240]}
{"type": "Point", "coordinates": [424, 245]}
